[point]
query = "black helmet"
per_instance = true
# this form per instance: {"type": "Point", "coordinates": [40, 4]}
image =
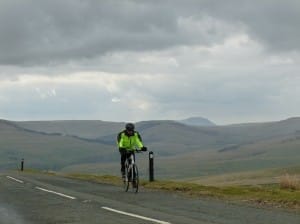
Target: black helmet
{"type": "Point", "coordinates": [129, 127]}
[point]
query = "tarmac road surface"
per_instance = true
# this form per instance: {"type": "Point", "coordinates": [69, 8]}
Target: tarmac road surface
{"type": "Point", "coordinates": [44, 199]}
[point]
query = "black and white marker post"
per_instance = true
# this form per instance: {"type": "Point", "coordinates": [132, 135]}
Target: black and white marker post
{"type": "Point", "coordinates": [151, 166]}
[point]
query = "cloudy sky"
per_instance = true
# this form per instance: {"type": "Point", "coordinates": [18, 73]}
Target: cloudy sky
{"type": "Point", "coordinates": [129, 60]}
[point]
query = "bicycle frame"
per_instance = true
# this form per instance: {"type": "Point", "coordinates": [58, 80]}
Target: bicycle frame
{"type": "Point", "coordinates": [129, 163]}
{"type": "Point", "coordinates": [131, 173]}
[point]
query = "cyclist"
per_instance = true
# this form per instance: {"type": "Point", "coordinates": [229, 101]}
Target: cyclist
{"type": "Point", "coordinates": [128, 140]}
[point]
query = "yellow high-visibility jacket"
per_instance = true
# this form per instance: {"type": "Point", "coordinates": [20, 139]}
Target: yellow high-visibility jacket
{"type": "Point", "coordinates": [130, 143]}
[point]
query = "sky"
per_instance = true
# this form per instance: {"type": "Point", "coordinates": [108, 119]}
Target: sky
{"type": "Point", "coordinates": [232, 61]}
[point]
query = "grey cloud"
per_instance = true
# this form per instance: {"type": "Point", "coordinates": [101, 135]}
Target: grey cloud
{"type": "Point", "coordinates": [34, 32]}
{"type": "Point", "coordinates": [47, 31]}
{"type": "Point", "coordinates": [275, 23]}
{"type": "Point", "coordinates": [42, 101]}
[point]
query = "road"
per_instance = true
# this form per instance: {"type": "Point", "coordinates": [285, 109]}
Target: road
{"type": "Point", "coordinates": [36, 198]}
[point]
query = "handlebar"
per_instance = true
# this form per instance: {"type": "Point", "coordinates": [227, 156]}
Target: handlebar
{"type": "Point", "coordinates": [135, 151]}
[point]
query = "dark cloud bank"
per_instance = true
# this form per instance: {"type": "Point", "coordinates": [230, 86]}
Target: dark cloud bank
{"type": "Point", "coordinates": [54, 31]}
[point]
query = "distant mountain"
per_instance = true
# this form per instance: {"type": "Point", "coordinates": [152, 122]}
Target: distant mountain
{"type": "Point", "coordinates": [90, 129]}
{"type": "Point", "coordinates": [197, 121]}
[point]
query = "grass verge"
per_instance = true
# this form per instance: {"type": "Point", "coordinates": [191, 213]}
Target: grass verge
{"type": "Point", "coordinates": [107, 179]}
{"type": "Point", "coordinates": [264, 195]}
{"type": "Point", "coordinates": [272, 195]}
{"type": "Point", "coordinates": [289, 182]}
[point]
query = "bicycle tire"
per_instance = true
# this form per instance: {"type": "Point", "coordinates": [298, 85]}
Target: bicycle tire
{"type": "Point", "coordinates": [135, 180]}
{"type": "Point", "coordinates": [126, 180]}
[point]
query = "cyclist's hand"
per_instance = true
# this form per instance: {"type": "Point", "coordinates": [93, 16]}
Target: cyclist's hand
{"type": "Point", "coordinates": [144, 148]}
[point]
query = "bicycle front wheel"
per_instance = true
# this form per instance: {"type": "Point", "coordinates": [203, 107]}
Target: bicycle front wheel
{"type": "Point", "coordinates": [135, 181]}
{"type": "Point", "coordinates": [126, 180]}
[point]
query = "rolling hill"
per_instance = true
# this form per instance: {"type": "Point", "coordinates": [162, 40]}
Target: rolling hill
{"type": "Point", "coordinates": [191, 151]}
{"type": "Point", "coordinates": [46, 151]}
{"type": "Point", "coordinates": [84, 129]}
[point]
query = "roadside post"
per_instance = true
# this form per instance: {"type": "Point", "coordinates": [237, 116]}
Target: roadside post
{"type": "Point", "coordinates": [22, 164]}
{"type": "Point", "coordinates": [151, 167]}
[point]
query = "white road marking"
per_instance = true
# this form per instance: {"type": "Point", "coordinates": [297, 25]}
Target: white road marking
{"type": "Point", "coordinates": [57, 193]}
{"type": "Point", "coordinates": [20, 181]}
{"type": "Point", "coordinates": [106, 208]}
{"type": "Point", "coordinates": [136, 216]}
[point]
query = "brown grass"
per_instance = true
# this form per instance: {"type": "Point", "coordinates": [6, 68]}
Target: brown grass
{"type": "Point", "coordinates": [289, 182]}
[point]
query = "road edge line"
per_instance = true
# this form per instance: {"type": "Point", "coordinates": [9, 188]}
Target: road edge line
{"type": "Point", "coordinates": [15, 179]}
{"type": "Point", "coordinates": [136, 216]}
{"type": "Point", "coordinates": [57, 193]}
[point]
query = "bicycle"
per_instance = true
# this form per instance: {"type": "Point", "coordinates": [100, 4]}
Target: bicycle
{"type": "Point", "coordinates": [131, 172]}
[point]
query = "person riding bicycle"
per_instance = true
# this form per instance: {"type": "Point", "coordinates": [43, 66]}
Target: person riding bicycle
{"type": "Point", "coordinates": [128, 140]}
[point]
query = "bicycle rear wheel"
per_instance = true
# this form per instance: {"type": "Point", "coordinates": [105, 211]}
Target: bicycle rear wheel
{"type": "Point", "coordinates": [135, 180]}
